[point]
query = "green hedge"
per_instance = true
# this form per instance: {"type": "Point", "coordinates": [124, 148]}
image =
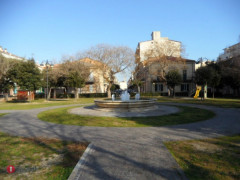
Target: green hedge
{"type": "Point", "coordinates": [154, 94]}
{"type": "Point", "coordinates": [39, 95]}
{"type": "Point", "coordinates": [164, 94]}
{"type": "Point", "coordinates": [93, 95]}
{"type": "Point", "coordinates": [70, 95]}
{"type": "Point", "coordinates": [64, 95]}
{"type": "Point", "coordinates": [181, 94]}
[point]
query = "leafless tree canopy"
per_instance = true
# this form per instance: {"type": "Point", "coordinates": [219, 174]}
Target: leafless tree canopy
{"type": "Point", "coordinates": [113, 60]}
{"type": "Point", "coordinates": [159, 59]}
{"type": "Point", "coordinates": [74, 66]}
{"type": "Point", "coordinates": [117, 58]}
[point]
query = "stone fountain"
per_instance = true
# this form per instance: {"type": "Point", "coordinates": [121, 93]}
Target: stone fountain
{"type": "Point", "coordinates": [125, 102]}
{"type": "Point", "coordinates": [125, 107]}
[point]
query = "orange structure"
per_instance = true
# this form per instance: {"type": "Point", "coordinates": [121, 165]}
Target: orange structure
{"type": "Point", "coordinates": [25, 95]}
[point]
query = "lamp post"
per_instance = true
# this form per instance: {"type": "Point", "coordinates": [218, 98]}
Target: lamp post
{"type": "Point", "coordinates": [47, 63]}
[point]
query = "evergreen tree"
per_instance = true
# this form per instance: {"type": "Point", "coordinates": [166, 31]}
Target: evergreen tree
{"type": "Point", "coordinates": [208, 75]}
{"type": "Point", "coordinates": [74, 79]}
{"type": "Point", "coordinates": [26, 75]}
{"type": "Point", "coordinates": [173, 78]}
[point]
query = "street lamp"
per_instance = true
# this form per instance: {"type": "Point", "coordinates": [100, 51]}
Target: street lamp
{"type": "Point", "coordinates": [47, 64]}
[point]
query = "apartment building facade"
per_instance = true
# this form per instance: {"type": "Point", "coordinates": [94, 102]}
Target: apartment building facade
{"type": "Point", "coordinates": [150, 65]}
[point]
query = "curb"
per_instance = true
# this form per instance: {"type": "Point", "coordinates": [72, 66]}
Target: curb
{"type": "Point", "coordinates": [76, 173]}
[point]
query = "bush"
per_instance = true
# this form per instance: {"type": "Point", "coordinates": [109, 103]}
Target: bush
{"type": "Point", "coordinates": [181, 94]}
{"type": "Point", "coordinates": [132, 94]}
{"type": "Point", "coordinates": [61, 95]}
{"type": "Point", "coordinates": [91, 95]}
{"type": "Point", "coordinates": [154, 94]}
{"type": "Point", "coordinates": [39, 95]}
{"type": "Point", "coordinates": [164, 94]}
{"type": "Point", "coordinates": [65, 96]}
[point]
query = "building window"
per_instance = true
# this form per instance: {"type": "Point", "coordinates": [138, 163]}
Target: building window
{"type": "Point", "coordinates": [91, 77]}
{"type": "Point", "coordinates": [158, 87]}
{"type": "Point", "coordinates": [184, 75]}
{"type": "Point", "coordinates": [184, 87]}
{"type": "Point", "coordinates": [91, 88]}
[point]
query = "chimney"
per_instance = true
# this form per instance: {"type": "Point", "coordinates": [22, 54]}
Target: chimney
{"type": "Point", "coordinates": [5, 50]}
{"type": "Point", "coordinates": [156, 35]}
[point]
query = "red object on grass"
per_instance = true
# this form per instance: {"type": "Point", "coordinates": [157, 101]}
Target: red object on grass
{"type": "Point", "coordinates": [10, 169]}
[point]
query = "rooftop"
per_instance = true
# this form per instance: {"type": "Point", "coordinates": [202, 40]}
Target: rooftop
{"type": "Point", "coordinates": [6, 54]}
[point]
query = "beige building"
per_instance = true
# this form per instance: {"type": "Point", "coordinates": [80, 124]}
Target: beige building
{"type": "Point", "coordinates": [152, 83]}
{"type": "Point", "coordinates": [150, 68]}
{"type": "Point", "coordinates": [161, 44]}
{"type": "Point", "coordinates": [96, 82]}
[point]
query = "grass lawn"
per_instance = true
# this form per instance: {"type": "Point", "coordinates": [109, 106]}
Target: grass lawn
{"type": "Point", "coordinates": [211, 159]}
{"type": "Point", "coordinates": [220, 102]}
{"type": "Point", "coordinates": [38, 158]}
{"type": "Point", "coordinates": [11, 105]}
{"type": "Point", "coordinates": [186, 115]}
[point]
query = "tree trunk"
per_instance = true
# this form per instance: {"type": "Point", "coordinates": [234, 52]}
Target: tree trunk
{"type": "Point", "coordinates": [6, 96]}
{"type": "Point", "coordinates": [49, 93]}
{"type": "Point", "coordinates": [173, 91]}
{"type": "Point", "coordinates": [169, 92]}
{"type": "Point", "coordinates": [54, 93]}
{"type": "Point", "coordinates": [139, 89]}
{"type": "Point", "coordinates": [205, 91]}
{"type": "Point", "coordinates": [109, 90]}
{"type": "Point", "coordinates": [76, 93]}
{"type": "Point", "coordinates": [213, 92]}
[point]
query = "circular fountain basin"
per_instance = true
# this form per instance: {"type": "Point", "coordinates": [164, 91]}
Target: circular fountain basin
{"type": "Point", "coordinates": [125, 104]}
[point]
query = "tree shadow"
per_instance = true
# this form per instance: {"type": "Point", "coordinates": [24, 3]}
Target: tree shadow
{"type": "Point", "coordinates": [28, 125]}
{"type": "Point", "coordinates": [58, 100]}
{"type": "Point", "coordinates": [18, 101]}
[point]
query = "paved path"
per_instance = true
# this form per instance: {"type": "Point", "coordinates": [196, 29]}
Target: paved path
{"type": "Point", "coordinates": [125, 153]}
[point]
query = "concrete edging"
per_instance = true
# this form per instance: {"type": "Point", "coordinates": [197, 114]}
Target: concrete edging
{"type": "Point", "coordinates": [82, 161]}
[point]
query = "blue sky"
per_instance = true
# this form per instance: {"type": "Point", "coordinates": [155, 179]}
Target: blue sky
{"type": "Point", "coordinates": [48, 29]}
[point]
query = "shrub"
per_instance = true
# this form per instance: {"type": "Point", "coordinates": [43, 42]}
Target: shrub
{"type": "Point", "coordinates": [39, 95]}
{"type": "Point", "coordinates": [90, 95]}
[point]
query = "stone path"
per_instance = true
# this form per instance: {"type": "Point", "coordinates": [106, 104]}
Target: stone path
{"type": "Point", "coordinates": [125, 153]}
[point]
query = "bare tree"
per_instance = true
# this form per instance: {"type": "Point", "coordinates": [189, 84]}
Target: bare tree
{"type": "Point", "coordinates": [114, 60]}
{"type": "Point", "coordinates": [163, 57]}
{"type": "Point", "coordinates": [76, 73]}
{"type": "Point", "coordinates": [158, 59]}
{"type": "Point", "coordinates": [55, 79]}
{"type": "Point", "coordinates": [68, 74]}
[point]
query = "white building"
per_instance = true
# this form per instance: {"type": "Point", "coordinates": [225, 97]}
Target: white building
{"type": "Point", "coordinates": [230, 52]}
{"type": "Point", "coordinates": [202, 63]}
{"type": "Point", "coordinates": [163, 44]}
{"type": "Point", "coordinates": [6, 54]}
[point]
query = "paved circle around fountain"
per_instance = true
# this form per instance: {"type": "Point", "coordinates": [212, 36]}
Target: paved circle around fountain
{"type": "Point", "coordinates": [157, 110]}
